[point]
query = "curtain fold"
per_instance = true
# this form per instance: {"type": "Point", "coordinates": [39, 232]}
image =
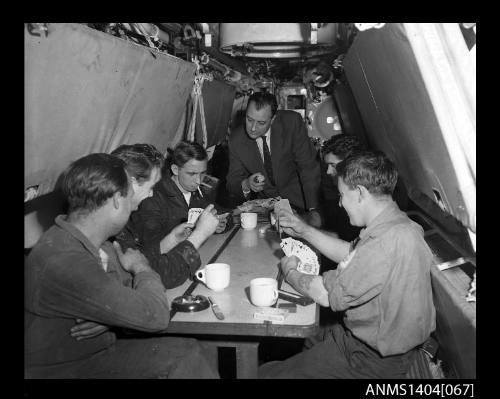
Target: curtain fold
{"type": "Point", "coordinates": [87, 91]}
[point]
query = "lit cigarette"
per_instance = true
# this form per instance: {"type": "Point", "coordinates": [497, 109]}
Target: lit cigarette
{"type": "Point", "coordinates": [201, 195]}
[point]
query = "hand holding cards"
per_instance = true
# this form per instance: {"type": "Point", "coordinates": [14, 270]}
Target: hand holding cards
{"type": "Point", "coordinates": [308, 259]}
{"type": "Point", "coordinates": [221, 227]}
{"type": "Point", "coordinates": [282, 204]}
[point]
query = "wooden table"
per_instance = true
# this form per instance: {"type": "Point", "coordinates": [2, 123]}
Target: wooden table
{"type": "Point", "coordinates": [250, 255]}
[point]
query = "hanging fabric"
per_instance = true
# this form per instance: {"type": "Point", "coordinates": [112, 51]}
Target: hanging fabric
{"type": "Point", "coordinates": [197, 99]}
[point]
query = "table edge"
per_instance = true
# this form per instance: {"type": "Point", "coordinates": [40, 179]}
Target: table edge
{"type": "Point", "coordinates": [264, 329]}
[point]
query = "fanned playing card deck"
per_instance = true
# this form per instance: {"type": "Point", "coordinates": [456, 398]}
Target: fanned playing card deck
{"type": "Point", "coordinates": [308, 259]}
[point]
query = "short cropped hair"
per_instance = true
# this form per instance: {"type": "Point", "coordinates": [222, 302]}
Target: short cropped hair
{"type": "Point", "coordinates": [262, 99]}
{"type": "Point", "coordinates": [371, 169]}
{"type": "Point", "coordinates": [342, 145]}
{"type": "Point", "coordinates": [140, 159]}
{"type": "Point", "coordinates": [89, 181]}
{"type": "Point", "coordinates": [184, 151]}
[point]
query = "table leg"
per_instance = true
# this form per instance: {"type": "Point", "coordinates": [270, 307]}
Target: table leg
{"type": "Point", "coordinates": [212, 351]}
{"type": "Point", "coordinates": [247, 359]}
{"type": "Point", "coordinates": [247, 356]}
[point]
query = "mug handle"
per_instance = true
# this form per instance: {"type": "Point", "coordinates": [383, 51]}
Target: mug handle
{"type": "Point", "coordinates": [200, 275]}
{"type": "Point", "coordinates": [275, 295]}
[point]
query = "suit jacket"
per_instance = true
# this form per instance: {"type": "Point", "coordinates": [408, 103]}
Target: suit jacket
{"type": "Point", "coordinates": [296, 167]}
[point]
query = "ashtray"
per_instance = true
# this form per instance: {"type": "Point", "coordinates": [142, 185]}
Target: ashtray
{"type": "Point", "coordinates": [190, 303]}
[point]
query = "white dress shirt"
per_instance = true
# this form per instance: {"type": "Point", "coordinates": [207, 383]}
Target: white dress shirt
{"type": "Point", "coordinates": [187, 197]}
{"type": "Point", "coordinates": [267, 137]}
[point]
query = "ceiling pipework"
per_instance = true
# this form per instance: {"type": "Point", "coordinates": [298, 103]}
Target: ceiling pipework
{"type": "Point", "coordinates": [277, 40]}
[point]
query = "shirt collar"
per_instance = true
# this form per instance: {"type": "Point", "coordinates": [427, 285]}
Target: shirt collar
{"type": "Point", "coordinates": [77, 234]}
{"type": "Point", "coordinates": [379, 224]}
{"type": "Point", "coordinates": [267, 134]}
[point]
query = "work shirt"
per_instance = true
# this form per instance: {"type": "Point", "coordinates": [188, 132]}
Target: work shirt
{"type": "Point", "coordinates": [384, 285]}
{"type": "Point", "coordinates": [65, 279]}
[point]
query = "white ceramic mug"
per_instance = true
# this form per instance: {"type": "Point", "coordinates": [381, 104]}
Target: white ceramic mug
{"type": "Point", "coordinates": [263, 291]}
{"type": "Point", "coordinates": [215, 276]}
{"type": "Point", "coordinates": [248, 220]}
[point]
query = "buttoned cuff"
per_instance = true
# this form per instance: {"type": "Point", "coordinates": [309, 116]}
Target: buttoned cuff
{"type": "Point", "coordinates": [190, 255]}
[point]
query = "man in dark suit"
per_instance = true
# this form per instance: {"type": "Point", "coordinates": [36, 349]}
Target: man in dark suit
{"type": "Point", "coordinates": [271, 155]}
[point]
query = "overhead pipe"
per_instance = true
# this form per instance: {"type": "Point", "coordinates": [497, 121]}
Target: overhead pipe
{"type": "Point", "coordinates": [155, 32]}
{"type": "Point", "coordinates": [152, 30]}
{"type": "Point", "coordinates": [206, 60]}
{"type": "Point", "coordinates": [227, 60]}
{"type": "Point", "coordinates": [228, 73]}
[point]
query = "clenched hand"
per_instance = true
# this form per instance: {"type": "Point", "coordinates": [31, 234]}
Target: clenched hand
{"type": "Point", "coordinates": [87, 329]}
{"type": "Point", "coordinates": [132, 260]}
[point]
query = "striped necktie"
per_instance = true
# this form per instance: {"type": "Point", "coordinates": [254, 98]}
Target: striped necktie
{"type": "Point", "coordinates": [268, 165]}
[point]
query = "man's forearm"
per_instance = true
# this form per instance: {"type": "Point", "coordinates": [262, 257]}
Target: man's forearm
{"type": "Point", "coordinates": [197, 239]}
{"type": "Point", "coordinates": [332, 247]}
{"type": "Point", "coordinates": [309, 285]}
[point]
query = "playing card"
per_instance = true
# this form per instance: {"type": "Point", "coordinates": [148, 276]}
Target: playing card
{"type": "Point", "coordinates": [286, 246]}
{"type": "Point", "coordinates": [193, 214]}
{"type": "Point", "coordinates": [282, 204]}
{"type": "Point", "coordinates": [308, 259]}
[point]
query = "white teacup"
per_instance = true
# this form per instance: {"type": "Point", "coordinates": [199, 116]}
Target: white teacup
{"type": "Point", "coordinates": [263, 291]}
{"type": "Point", "coordinates": [248, 220]}
{"type": "Point", "coordinates": [215, 276]}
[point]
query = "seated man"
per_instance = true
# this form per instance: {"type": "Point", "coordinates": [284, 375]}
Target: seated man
{"type": "Point", "coordinates": [167, 211]}
{"type": "Point", "coordinates": [73, 272]}
{"type": "Point", "coordinates": [382, 284]}
{"type": "Point", "coordinates": [334, 150]}
{"type": "Point", "coordinates": [172, 254]}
